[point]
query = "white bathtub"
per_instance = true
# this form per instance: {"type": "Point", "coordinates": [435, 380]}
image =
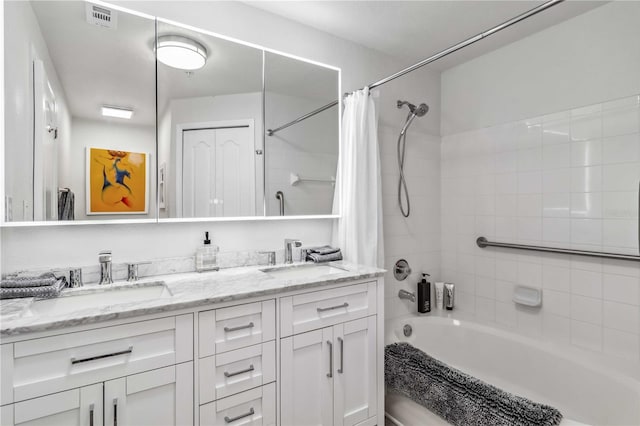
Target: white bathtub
{"type": "Point", "coordinates": [584, 392]}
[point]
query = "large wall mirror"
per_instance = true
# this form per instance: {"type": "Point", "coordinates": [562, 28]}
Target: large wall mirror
{"type": "Point", "coordinates": [111, 115]}
{"type": "Point", "coordinates": [80, 140]}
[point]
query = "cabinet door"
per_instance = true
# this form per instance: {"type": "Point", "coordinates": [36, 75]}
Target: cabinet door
{"type": "Point", "coordinates": [162, 397]}
{"type": "Point", "coordinates": [307, 371]}
{"type": "Point", "coordinates": [75, 407]}
{"type": "Point", "coordinates": [355, 392]}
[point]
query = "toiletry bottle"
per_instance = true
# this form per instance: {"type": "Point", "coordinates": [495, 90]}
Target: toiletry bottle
{"type": "Point", "coordinates": [206, 256]}
{"type": "Point", "coordinates": [449, 296]}
{"type": "Point", "coordinates": [424, 295]}
{"type": "Point", "coordinates": [439, 288]}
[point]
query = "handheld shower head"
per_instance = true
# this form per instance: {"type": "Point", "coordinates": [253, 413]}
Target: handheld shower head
{"type": "Point", "coordinates": [420, 111]}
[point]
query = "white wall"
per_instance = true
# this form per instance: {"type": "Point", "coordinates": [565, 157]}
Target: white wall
{"type": "Point", "coordinates": [588, 59]}
{"type": "Point", "coordinates": [549, 155]}
{"type": "Point", "coordinates": [41, 247]}
{"type": "Point", "coordinates": [107, 134]}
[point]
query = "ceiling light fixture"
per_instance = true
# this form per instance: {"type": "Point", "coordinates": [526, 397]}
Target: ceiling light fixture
{"type": "Point", "coordinates": [181, 52]}
{"type": "Point", "coordinates": [117, 112]}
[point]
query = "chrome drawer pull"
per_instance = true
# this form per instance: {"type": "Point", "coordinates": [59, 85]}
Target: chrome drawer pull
{"type": "Point", "coordinates": [93, 358]}
{"type": "Point", "coordinates": [228, 419]}
{"type": "Point", "coordinates": [341, 369]}
{"type": "Point", "coordinates": [246, 370]}
{"type": "Point", "coordinates": [344, 305]}
{"type": "Point", "coordinates": [330, 373]}
{"type": "Point", "coordinates": [91, 415]}
{"type": "Point", "coordinates": [240, 327]}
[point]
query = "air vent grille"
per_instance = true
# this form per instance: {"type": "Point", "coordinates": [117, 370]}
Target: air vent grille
{"type": "Point", "coordinates": [101, 16]}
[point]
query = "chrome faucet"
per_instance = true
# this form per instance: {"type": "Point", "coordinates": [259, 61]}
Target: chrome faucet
{"type": "Point", "coordinates": [132, 271]}
{"type": "Point", "coordinates": [104, 257]}
{"type": "Point", "coordinates": [404, 294]}
{"type": "Point", "coordinates": [288, 249]}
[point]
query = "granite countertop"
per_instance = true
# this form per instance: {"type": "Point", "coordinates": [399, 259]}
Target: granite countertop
{"type": "Point", "coordinates": [187, 290]}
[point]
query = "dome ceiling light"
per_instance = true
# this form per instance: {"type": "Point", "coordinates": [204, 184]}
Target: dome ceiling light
{"type": "Point", "coordinates": [181, 52]}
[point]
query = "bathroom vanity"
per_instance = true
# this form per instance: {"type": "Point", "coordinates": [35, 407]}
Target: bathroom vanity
{"type": "Point", "coordinates": [253, 345]}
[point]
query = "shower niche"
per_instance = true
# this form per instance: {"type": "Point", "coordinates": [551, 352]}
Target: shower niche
{"type": "Point", "coordinates": [111, 115]}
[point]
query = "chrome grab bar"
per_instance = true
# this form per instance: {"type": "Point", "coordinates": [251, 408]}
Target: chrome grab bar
{"type": "Point", "coordinates": [331, 308]}
{"type": "Point", "coordinates": [235, 373]}
{"type": "Point", "coordinates": [228, 419]}
{"type": "Point", "coordinates": [240, 327]}
{"type": "Point", "coordinates": [482, 242]}
{"type": "Point", "coordinates": [93, 358]}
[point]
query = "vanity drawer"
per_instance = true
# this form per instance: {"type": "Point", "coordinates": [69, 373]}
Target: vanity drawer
{"type": "Point", "coordinates": [310, 311]}
{"type": "Point", "coordinates": [51, 364]}
{"type": "Point", "coordinates": [253, 407]}
{"type": "Point", "coordinates": [235, 327]}
{"type": "Point", "coordinates": [236, 371]}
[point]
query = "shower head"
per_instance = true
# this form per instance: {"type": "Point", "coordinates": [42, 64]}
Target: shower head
{"type": "Point", "coordinates": [419, 111]}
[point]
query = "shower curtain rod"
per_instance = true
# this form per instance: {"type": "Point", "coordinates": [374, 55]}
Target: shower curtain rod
{"type": "Point", "coordinates": [432, 58]}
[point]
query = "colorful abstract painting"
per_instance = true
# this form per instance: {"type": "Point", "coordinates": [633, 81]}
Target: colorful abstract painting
{"type": "Point", "coordinates": [117, 182]}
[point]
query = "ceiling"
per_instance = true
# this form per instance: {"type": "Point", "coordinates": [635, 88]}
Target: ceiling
{"type": "Point", "coordinates": [414, 30]}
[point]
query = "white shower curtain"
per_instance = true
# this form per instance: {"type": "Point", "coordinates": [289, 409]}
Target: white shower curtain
{"type": "Point", "coordinates": [358, 197]}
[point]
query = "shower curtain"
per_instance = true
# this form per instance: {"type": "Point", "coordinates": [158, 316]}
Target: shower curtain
{"type": "Point", "coordinates": [358, 197]}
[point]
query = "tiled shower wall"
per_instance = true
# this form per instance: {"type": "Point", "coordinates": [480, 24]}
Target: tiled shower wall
{"type": "Point", "coordinates": [568, 179]}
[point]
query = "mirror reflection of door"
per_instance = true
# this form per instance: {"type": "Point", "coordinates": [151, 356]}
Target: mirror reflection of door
{"type": "Point", "coordinates": [218, 172]}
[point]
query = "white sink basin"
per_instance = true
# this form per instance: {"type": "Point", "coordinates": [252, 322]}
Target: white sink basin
{"type": "Point", "coordinates": [302, 271]}
{"type": "Point", "coordinates": [95, 298]}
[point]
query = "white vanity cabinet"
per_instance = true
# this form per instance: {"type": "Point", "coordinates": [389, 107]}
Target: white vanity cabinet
{"type": "Point", "coordinates": [329, 376]}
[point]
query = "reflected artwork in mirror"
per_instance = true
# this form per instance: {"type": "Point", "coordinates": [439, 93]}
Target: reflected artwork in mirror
{"type": "Point", "coordinates": [209, 125]}
{"type": "Point", "coordinates": [80, 76]}
{"type": "Point", "coordinates": [301, 153]}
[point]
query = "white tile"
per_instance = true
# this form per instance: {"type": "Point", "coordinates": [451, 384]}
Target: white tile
{"type": "Point", "coordinates": [529, 321]}
{"type": "Point", "coordinates": [506, 183]}
{"type": "Point", "coordinates": [485, 309]}
{"type": "Point", "coordinates": [556, 204]}
{"type": "Point", "coordinates": [530, 182]}
{"type": "Point", "coordinates": [556, 328]}
{"type": "Point", "coordinates": [530, 205]}
{"type": "Point", "coordinates": [620, 233]}
{"type": "Point", "coordinates": [586, 205]}
{"type": "Point", "coordinates": [586, 231]}
{"type": "Point", "coordinates": [620, 205]}
{"type": "Point", "coordinates": [506, 314]}
{"type": "Point", "coordinates": [622, 317]}
{"type": "Point", "coordinates": [485, 205]}
{"type": "Point", "coordinates": [586, 179]}
{"type": "Point", "coordinates": [486, 226]}
{"type": "Point", "coordinates": [465, 302]}
{"type": "Point", "coordinates": [506, 162]}
{"type": "Point", "coordinates": [586, 283]}
{"type": "Point", "coordinates": [506, 205]}
{"type": "Point", "coordinates": [586, 335]}
{"type": "Point", "coordinates": [556, 132]}
{"type": "Point", "coordinates": [556, 278]}
{"type": "Point", "coordinates": [621, 149]}
{"type": "Point", "coordinates": [557, 181]}
{"type": "Point", "coordinates": [529, 134]}
{"type": "Point", "coordinates": [530, 159]}
{"type": "Point", "coordinates": [529, 228]}
{"type": "Point", "coordinates": [621, 177]}
{"type": "Point", "coordinates": [530, 274]}
{"type": "Point", "coordinates": [594, 109]}
{"type": "Point", "coordinates": [556, 303]}
{"type": "Point", "coordinates": [620, 122]}
{"type": "Point", "coordinates": [621, 344]}
{"type": "Point", "coordinates": [556, 229]}
{"type": "Point", "coordinates": [506, 227]}
{"type": "Point", "coordinates": [586, 153]}
{"type": "Point", "coordinates": [621, 288]}
{"type": "Point", "coordinates": [586, 309]}
{"type": "Point", "coordinates": [485, 267]}
{"type": "Point", "coordinates": [586, 127]}
{"type": "Point", "coordinates": [506, 270]}
{"type": "Point", "coordinates": [556, 156]}
{"type": "Point", "coordinates": [504, 291]}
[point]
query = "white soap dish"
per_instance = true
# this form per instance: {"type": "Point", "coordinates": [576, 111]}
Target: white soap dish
{"type": "Point", "coordinates": [527, 296]}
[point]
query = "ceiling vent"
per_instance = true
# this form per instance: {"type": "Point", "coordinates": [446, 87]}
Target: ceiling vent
{"type": "Point", "coordinates": [101, 16]}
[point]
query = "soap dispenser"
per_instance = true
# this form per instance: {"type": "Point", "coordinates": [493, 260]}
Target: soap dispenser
{"type": "Point", "coordinates": [424, 295]}
{"type": "Point", "coordinates": [206, 256]}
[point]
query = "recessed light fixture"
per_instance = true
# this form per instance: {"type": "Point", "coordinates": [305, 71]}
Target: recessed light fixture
{"type": "Point", "coordinates": [117, 112]}
{"type": "Point", "coordinates": [181, 52]}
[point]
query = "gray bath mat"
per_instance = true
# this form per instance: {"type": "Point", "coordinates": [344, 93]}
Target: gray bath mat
{"type": "Point", "coordinates": [458, 398]}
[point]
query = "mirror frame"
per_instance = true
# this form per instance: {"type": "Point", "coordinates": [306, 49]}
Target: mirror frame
{"type": "Point", "coordinates": [157, 19]}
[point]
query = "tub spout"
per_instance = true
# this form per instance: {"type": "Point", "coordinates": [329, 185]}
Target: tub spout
{"type": "Point", "coordinates": [404, 294]}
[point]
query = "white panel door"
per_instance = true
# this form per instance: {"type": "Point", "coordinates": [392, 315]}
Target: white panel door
{"type": "Point", "coordinates": [198, 173]}
{"type": "Point", "coordinates": [307, 371]}
{"type": "Point", "coordinates": [355, 393]}
{"type": "Point", "coordinates": [218, 172]}
{"type": "Point", "coordinates": [75, 407]}
{"type": "Point", "coordinates": [162, 397]}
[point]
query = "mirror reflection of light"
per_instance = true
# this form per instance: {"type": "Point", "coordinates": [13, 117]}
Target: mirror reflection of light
{"type": "Point", "coordinates": [181, 52]}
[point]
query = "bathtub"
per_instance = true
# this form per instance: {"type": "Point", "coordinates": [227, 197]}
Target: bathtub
{"type": "Point", "coordinates": [584, 391]}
